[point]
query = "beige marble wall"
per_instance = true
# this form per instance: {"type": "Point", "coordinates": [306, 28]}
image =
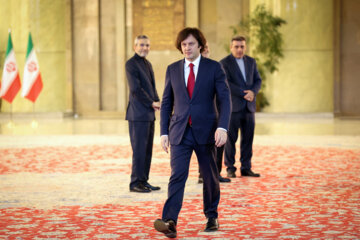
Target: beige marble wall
{"type": "Point", "coordinates": [216, 17]}
{"type": "Point", "coordinates": [160, 59]}
{"type": "Point", "coordinates": [304, 82]}
{"type": "Point", "coordinates": [103, 41]}
{"type": "Point", "coordinates": [99, 53]}
{"type": "Point", "coordinates": [47, 21]}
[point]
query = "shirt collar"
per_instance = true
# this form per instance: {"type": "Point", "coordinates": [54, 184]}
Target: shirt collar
{"type": "Point", "coordinates": [138, 56]}
{"type": "Point", "coordinates": [196, 62]}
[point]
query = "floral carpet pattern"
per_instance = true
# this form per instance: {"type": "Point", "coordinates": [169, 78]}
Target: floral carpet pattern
{"type": "Point", "coordinates": [71, 187]}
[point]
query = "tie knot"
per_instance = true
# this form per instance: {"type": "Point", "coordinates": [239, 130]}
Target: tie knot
{"type": "Point", "coordinates": [191, 65]}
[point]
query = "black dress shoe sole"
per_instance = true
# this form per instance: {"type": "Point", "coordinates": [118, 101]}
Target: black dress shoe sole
{"type": "Point", "coordinates": [250, 175]}
{"type": "Point", "coordinates": [211, 229]}
{"type": "Point", "coordinates": [153, 188]}
{"type": "Point", "coordinates": [140, 191]}
{"type": "Point", "coordinates": [225, 180]}
{"type": "Point", "coordinates": [211, 226]}
{"type": "Point", "coordinates": [162, 227]}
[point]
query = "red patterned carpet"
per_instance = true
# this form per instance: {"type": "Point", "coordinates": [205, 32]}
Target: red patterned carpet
{"type": "Point", "coordinates": [81, 192]}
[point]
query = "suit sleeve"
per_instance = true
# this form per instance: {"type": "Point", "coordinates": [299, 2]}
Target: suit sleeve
{"type": "Point", "coordinates": [257, 80]}
{"type": "Point", "coordinates": [132, 74]}
{"type": "Point", "coordinates": [223, 98]}
{"type": "Point", "coordinates": [167, 104]}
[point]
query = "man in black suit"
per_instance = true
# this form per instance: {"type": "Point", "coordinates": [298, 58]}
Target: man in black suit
{"type": "Point", "coordinates": [143, 101]}
{"type": "Point", "coordinates": [244, 83]}
{"type": "Point", "coordinates": [189, 122]}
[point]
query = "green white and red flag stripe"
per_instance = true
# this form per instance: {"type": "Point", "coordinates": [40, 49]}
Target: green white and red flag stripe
{"type": "Point", "coordinates": [32, 83]}
{"type": "Point", "coordinates": [10, 84]}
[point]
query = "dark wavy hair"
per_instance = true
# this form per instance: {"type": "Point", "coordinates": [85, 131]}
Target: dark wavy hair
{"type": "Point", "coordinates": [185, 33]}
{"type": "Point", "coordinates": [238, 38]}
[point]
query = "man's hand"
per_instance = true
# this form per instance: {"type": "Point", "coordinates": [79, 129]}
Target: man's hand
{"type": "Point", "coordinates": [249, 96]}
{"type": "Point", "coordinates": [165, 142]}
{"type": "Point", "coordinates": [156, 105]}
{"type": "Point", "coordinates": [220, 137]}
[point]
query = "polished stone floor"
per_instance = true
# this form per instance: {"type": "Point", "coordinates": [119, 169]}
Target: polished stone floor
{"type": "Point", "coordinates": [271, 129]}
{"type": "Point", "coordinates": [266, 124]}
{"type": "Point", "coordinates": [279, 125]}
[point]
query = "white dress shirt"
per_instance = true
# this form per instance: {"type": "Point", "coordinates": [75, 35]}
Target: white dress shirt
{"type": "Point", "coordinates": [196, 63]}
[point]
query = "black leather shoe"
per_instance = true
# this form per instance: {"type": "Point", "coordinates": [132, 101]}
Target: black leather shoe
{"type": "Point", "coordinates": [140, 188]}
{"type": "Point", "coordinates": [212, 225]}
{"type": "Point", "coordinates": [168, 228]}
{"type": "Point", "coordinates": [249, 173]}
{"type": "Point", "coordinates": [153, 188]}
{"type": "Point", "coordinates": [201, 180]}
{"type": "Point", "coordinates": [221, 179]}
{"type": "Point", "coordinates": [231, 174]}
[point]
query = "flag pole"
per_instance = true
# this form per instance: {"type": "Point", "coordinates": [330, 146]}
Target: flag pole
{"type": "Point", "coordinates": [11, 115]}
{"type": "Point", "coordinates": [34, 117]}
{"type": "Point", "coordinates": [34, 123]}
{"type": "Point", "coordinates": [10, 125]}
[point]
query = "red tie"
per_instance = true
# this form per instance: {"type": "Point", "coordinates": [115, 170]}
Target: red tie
{"type": "Point", "coordinates": [191, 84]}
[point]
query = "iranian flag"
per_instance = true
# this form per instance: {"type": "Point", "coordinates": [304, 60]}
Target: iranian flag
{"type": "Point", "coordinates": [10, 84]}
{"type": "Point", "coordinates": [32, 84]}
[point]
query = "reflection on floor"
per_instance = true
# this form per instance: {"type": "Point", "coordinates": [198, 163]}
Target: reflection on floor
{"type": "Point", "coordinates": [266, 124]}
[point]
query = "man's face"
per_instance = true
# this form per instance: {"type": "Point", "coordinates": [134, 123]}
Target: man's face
{"type": "Point", "coordinates": [238, 48]}
{"type": "Point", "coordinates": [190, 48]}
{"type": "Point", "coordinates": [142, 47]}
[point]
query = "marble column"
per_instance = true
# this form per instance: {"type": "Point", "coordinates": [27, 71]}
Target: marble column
{"type": "Point", "coordinates": [86, 56]}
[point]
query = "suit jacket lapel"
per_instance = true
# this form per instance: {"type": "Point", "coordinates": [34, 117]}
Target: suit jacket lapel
{"type": "Point", "coordinates": [198, 77]}
{"type": "Point", "coordinates": [247, 70]}
{"type": "Point", "coordinates": [143, 67]}
{"type": "Point", "coordinates": [182, 78]}
{"type": "Point", "coordinates": [236, 67]}
{"type": "Point", "coordinates": [151, 71]}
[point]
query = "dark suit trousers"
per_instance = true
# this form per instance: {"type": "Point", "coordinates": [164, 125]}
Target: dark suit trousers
{"type": "Point", "coordinates": [219, 157]}
{"type": "Point", "coordinates": [180, 161]}
{"type": "Point", "coordinates": [141, 137]}
{"type": "Point", "coordinates": [244, 120]}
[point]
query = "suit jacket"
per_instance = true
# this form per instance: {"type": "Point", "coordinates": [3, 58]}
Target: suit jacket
{"type": "Point", "coordinates": [142, 94]}
{"type": "Point", "coordinates": [237, 83]}
{"type": "Point", "coordinates": [177, 106]}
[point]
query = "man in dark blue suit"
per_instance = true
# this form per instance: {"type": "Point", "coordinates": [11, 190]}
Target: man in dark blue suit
{"type": "Point", "coordinates": [143, 101]}
{"type": "Point", "coordinates": [189, 123]}
{"type": "Point", "coordinates": [244, 83]}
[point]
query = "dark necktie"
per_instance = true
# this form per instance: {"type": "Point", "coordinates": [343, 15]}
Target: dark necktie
{"type": "Point", "coordinates": [191, 84]}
